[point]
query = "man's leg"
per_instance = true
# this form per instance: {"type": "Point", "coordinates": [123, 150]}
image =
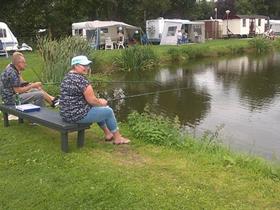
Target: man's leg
{"type": "Point", "coordinates": [36, 97]}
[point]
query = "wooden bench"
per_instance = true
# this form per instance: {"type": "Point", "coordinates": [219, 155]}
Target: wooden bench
{"type": "Point", "coordinates": [50, 119]}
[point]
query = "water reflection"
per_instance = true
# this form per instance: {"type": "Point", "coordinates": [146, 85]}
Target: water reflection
{"type": "Point", "coordinates": [240, 93]}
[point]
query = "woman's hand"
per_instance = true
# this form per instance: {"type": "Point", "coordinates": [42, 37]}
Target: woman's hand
{"type": "Point", "coordinates": [103, 102]}
{"type": "Point", "coordinates": [92, 99]}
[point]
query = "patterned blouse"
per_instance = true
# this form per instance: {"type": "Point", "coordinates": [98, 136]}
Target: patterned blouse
{"type": "Point", "coordinates": [10, 78]}
{"type": "Point", "coordinates": [73, 105]}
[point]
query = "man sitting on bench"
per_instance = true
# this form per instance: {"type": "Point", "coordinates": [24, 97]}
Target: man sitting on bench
{"type": "Point", "coordinates": [13, 84]}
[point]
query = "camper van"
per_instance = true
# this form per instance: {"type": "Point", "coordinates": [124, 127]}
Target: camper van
{"type": "Point", "coordinates": [9, 41]}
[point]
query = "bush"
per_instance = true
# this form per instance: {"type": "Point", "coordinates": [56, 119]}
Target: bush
{"type": "Point", "coordinates": [137, 58]}
{"type": "Point", "coordinates": [260, 44]}
{"type": "Point", "coordinates": [155, 129]}
{"type": "Point", "coordinates": [56, 55]}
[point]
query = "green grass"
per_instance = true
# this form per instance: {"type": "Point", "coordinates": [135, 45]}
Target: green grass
{"type": "Point", "coordinates": [35, 174]}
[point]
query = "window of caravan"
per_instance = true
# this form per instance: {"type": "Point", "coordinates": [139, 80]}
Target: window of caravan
{"type": "Point", "coordinates": [171, 30]}
{"type": "Point", "coordinates": [259, 22]}
{"type": "Point", "coordinates": [3, 33]}
{"type": "Point", "coordinates": [79, 32]}
{"type": "Point", "coordinates": [197, 29]}
{"type": "Point", "coordinates": [105, 30]}
{"type": "Point", "coordinates": [244, 22]}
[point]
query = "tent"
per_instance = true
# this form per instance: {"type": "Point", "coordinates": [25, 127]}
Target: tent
{"type": "Point", "coordinates": [97, 31]}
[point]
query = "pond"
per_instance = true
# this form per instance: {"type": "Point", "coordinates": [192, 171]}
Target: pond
{"type": "Point", "coordinates": [238, 97]}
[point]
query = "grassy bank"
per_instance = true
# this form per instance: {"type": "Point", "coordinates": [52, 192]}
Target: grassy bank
{"type": "Point", "coordinates": [150, 173]}
{"type": "Point", "coordinates": [36, 175]}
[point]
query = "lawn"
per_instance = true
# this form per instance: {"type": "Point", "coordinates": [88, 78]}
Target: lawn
{"type": "Point", "coordinates": [35, 174]}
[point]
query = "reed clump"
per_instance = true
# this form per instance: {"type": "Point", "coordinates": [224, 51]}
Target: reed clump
{"type": "Point", "coordinates": [137, 58]}
{"type": "Point", "coordinates": [56, 55]}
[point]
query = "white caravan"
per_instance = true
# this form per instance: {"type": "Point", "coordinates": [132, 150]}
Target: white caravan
{"type": "Point", "coordinates": [193, 32]}
{"type": "Point", "coordinates": [154, 29]}
{"type": "Point", "coordinates": [275, 26]}
{"type": "Point", "coordinates": [9, 41]}
{"type": "Point", "coordinates": [165, 31]}
{"type": "Point", "coordinates": [244, 25]}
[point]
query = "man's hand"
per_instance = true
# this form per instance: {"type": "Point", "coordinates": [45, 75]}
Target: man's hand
{"type": "Point", "coordinates": [37, 85]}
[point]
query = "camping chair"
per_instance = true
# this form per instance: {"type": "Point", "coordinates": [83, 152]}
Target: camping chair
{"type": "Point", "coordinates": [109, 45]}
{"type": "Point", "coordinates": [3, 50]}
{"type": "Point", "coordinates": [120, 43]}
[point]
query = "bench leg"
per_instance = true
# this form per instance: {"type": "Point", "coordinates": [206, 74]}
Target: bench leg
{"type": "Point", "coordinates": [81, 138]}
{"type": "Point", "coordinates": [6, 119]}
{"type": "Point", "coordinates": [64, 141]}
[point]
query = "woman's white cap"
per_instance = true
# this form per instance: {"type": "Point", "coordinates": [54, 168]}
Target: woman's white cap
{"type": "Point", "coordinates": [81, 59]}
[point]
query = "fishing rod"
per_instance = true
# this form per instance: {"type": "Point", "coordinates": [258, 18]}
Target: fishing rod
{"type": "Point", "coordinates": [154, 82]}
{"type": "Point", "coordinates": [129, 81]}
{"type": "Point", "coordinates": [146, 94]}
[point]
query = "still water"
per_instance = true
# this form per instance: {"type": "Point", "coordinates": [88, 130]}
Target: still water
{"type": "Point", "coordinates": [239, 95]}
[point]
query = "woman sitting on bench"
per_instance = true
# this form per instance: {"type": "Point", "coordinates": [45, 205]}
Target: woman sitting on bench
{"type": "Point", "coordinates": [78, 103]}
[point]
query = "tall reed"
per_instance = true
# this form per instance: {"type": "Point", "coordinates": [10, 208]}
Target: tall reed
{"type": "Point", "coordinates": [137, 58]}
{"type": "Point", "coordinates": [57, 54]}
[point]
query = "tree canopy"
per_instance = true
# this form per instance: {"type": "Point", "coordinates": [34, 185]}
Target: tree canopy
{"type": "Point", "coordinates": [26, 17]}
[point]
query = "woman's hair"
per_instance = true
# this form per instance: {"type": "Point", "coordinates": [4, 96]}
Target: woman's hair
{"type": "Point", "coordinates": [17, 56]}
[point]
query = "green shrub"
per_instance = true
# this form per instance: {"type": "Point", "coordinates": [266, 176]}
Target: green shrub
{"type": "Point", "coordinates": [137, 58]}
{"type": "Point", "coordinates": [56, 55]}
{"type": "Point", "coordinates": [260, 44]}
{"type": "Point", "coordinates": [154, 129]}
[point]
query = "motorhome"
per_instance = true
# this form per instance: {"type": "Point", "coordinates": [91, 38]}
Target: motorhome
{"type": "Point", "coordinates": [9, 41]}
{"type": "Point", "coordinates": [97, 32]}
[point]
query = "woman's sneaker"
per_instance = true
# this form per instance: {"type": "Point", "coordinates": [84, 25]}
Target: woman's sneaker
{"type": "Point", "coordinates": [55, 102]}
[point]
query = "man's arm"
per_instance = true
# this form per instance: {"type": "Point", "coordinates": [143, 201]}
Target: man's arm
{"type": "Point", "coordinates": [24, 89]}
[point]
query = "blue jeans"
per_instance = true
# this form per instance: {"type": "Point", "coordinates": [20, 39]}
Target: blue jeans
{"type": "Point", "coordinates": [103, 116]}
